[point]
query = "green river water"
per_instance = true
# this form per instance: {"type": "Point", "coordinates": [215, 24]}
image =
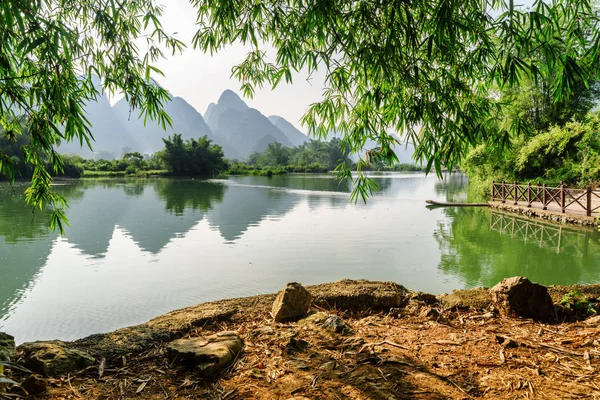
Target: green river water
{"type": "Point", "coordinates": [140, 248]}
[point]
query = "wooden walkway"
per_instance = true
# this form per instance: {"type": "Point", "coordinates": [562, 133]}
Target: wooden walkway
{"type": "Point", "coordinates": [575, 201]}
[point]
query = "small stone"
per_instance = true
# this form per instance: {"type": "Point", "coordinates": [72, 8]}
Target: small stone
{"type": "Point", "coordinates": [54, 358]}
{"type": "Point", "coordinates": [296, 345]}
{"type": "Point", "coordinates": [429, 312]}
{"type": "Point", "coordinates": [7, 347]}
{"type": "Point", "coordinates": [328, 366]}
{"type": "Point", "coordinates": [291, 303]}
{"type": "Point", "coordinates": [208, 355]}
{"type": "Point", "coordinates": [427, 298]}
{"type": "Point", "coordinates": [593, 321]}
{"type": "Point", "coordinates": [315, 318]}
{"type": "Point", "coordinates": [518, 296]}
{"type": "Point", "coordinates": [34, 385]}
{"type": "Point", "coordinates": [336, 324]}
{"type": "Point", "coordinates": [506, 341]}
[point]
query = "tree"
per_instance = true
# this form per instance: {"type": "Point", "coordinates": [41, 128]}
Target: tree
{"type": "Point", "coordinates": [424, 68]}
{"type": "Point", "coordinates": [427, 69]}
{"type": "Point", "coordinates": [50, 51]}
{"type": "Point", "coordinates": [193, 157]}
{"type": "Point", "coordinates": [135, 159]}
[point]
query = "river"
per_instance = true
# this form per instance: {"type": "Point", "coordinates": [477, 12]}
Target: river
{"type": "Point", "coordinates": [139, 248]}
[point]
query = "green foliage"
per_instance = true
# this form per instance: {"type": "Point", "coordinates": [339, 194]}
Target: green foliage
{"type": "Point", "coordinates": [5, 380]}
{"type": "Point", "coordinates": [578, 302]}
{"type": "Point", "coordinates": [50, 51]}
{"type": "Point", "coordinates": [568, 153]}
{"type": "Point", "coordinates": [536, 105]}
{"type": "Point", "coordinates": [427, 69]}
{"type": "Point", "coordinates": [320, 155]}
{"type": "Point", "coordinates": [193, 157]}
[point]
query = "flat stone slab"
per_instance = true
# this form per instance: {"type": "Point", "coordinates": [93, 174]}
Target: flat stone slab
{"type": "Point", "coordinates": [478, 299]}
{"type": "Point", "coordinates": [54, 358]}
{"type": "Point", "coordinates": [158, 330]}
{"type": "Point", "coordinates": [208, 355]}
{"type": "Point", "coordinates": [359, 295]}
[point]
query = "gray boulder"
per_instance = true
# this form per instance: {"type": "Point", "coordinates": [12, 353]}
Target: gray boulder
{"type": "Point", "coordinates": [519, 297]}
{"type": "Point", "coordinates": [208, 355]}
{"type": "Point", "coordinates": [7, 347]}
{"type": "Point", "coordinates": [54, 358]}
{"type": "Point", "coordinates": [291, 303]}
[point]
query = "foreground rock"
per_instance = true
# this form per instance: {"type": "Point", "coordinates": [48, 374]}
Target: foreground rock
{"type": "Point", "coordinates": [291, 303]}
{"type": "Point", "coordinates": [7, 347]}
{"type": "Point", "coordinates": [208, 355]}
{"type": "Point", "coordinates": [478, 298]}
{"type": "Point", "coordinates": [518, 296]}
{"type": "Point", "coordinates": [161, 329]}
{"type": "Point", "coordinates": [34, 385]}
{"type": "Point", "coordinates": [360, 295]}
{"type": "Point", "coordinates": [54, 358]}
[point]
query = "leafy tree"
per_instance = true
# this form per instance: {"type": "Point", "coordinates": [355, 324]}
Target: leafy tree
{"type": "Point", "coordinates": [135, 158]}
{"type": "Point", "coordinates": [193, 157]}
{"type": "Point", "coordinates": [535, 104]}
{"type": "Point", "coordinates": [425, 68]}
{"type": "Point", "coordinates": [322, 155]}
{"type": "Point", "coordinates": [49, 52]}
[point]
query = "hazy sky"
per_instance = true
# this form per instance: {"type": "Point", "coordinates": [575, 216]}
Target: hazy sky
{"type": "Point", "coordinates": [201, 78]}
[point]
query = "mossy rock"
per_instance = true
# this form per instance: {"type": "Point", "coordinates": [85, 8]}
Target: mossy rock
{"type": "Point", "coordinates": [478, 299]}
{"type": "Point", "coordinates": [7, 347]}
{"type": "Point", "coordinates": [54, 358]}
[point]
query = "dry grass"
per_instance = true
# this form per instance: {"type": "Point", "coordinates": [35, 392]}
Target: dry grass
{"type": "Point", "coordinates": [416, 353]}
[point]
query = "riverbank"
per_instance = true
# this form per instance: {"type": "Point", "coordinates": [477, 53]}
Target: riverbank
{"type": "Point", "coordinates": [395, 344]}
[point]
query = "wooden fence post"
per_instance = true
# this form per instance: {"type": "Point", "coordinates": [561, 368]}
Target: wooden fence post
{"type": "Point", "coordinates": [493, 190]}
{"type": "Point", "coordinates": [588, 210]}
{"type": "Point", "coordinates": [529, 194]}
{"type": "Point", "coordinates": [544, 197]}
{"type": "Point", "coordinates": [562, 197]}
{"type": "Point", "coordinates": [503, 192]}
{"type": "Point", "coordinates": [515, 192]}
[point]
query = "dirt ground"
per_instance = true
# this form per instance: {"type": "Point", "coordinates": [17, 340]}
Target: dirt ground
{"type": "Point", "coordinates": [419, 351]}
{"type": "Point", "coordinates": [450, 356]}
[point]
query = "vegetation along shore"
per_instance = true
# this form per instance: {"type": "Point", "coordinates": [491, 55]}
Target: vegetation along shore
{"type": "Point", "coordinates": [358, 339]}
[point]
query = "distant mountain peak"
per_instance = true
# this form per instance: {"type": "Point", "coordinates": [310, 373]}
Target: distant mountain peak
{"type": "Point", "coordinates": [209, 110]}
{"type": "Point", "coordinates": [295, 136]}
{"type": "Point", "coordinates": [230, 99]}
{"type": "Point", "coordinates": [155, 82]}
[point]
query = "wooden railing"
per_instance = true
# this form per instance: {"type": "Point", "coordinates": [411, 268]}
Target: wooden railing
{"type": "Point", "coordinates": [543, 196]}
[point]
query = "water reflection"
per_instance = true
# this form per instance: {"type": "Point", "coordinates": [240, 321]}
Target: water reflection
{"type": "Point", "coordinates": [138, 248]}
{"type": "Point", "coordinates": [554, 237]}
{"type": "Point", "coordinates": [483, 251]}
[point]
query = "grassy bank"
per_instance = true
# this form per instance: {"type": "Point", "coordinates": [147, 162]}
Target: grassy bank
{"type": "Point", "coordinates": [124, 174]}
